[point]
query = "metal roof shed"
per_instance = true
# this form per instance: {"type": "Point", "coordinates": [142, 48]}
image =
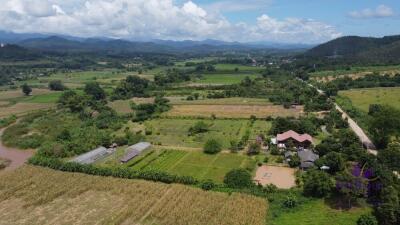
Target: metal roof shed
{"type": "Point", "coordinates": [135, 150]}
{"type": "Point", "coordinates": [92, 156]}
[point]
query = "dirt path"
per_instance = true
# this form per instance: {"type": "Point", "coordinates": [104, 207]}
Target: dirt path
{"type": "Point", "coordinates": [17, 157]}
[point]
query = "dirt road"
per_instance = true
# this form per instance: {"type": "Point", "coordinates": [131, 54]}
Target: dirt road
{"type": "Point", "coordinates": [353, 125]}
{"type": "Point", "coordinates": [17, 157]}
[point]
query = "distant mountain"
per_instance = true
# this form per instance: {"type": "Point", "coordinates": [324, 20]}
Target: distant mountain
{"type": "Point", "coordinates": [353, 46]}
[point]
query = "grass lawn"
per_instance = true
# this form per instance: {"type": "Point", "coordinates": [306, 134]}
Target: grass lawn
{"type": "Point", "coordinates": [362, 98]}
{"type": "Point", "coordinates": [317, 212]}
{"type": "Point", "coordinates": [193, 163]}
{"type": "Point", "coordinates": [45, 98]}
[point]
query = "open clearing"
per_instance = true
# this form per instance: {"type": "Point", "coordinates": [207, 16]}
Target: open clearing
{"type": "Point", "coordinates": [234, 111]}
{"type": "Point", "coordinates": [282, 177]}
{"type": "Point", "coordinates": [33, 195]}
{"type": "Point", "coordinates": [189, 163]}
{"type": "Point", "coordinates": [362, 98]}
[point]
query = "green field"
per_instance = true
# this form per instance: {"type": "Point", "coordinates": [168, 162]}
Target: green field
{"type": "Point", "coordinates": [223, 79]}
{"type": "Point", "coordinates": [193, 163]}
{"type": "Point", "coordinates": [355, 70]}
{"type": "Point", "coordinates": [317, 212]}
{"type": "Point", "coordinates": [174, 132]}
{"type": "Point", "coordinates": [362, 98]}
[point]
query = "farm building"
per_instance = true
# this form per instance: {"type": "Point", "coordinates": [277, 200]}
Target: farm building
{"type": "Point", "coordinates": [135, 150]}
{"type": "Point", "coordinates": [92, 156]}
{"type": "Point", "coordinates": [299, 140]}
{"type": "Point", "coordinates": [307, 158]}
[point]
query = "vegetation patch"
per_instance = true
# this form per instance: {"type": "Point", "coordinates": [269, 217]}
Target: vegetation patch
{"type": "Point", "coordinates": [363, 98]}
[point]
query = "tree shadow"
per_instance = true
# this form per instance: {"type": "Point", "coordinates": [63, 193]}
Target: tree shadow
{"type": "Point", "coordinates": [339, 202]}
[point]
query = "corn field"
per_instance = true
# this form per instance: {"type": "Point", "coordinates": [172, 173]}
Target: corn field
{"type": "Point", "coordinates": [35, 195]}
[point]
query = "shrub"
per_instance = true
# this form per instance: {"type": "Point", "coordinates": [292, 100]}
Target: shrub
{"type": "Point", "coordinates": [238, 178]}
{"type": "Point", "coordinates": [198, 127]}
{"type": "Point", "coordinates": [212, 146]}
{"type": "Point", "coordinates": [294, 161]}
{"type": "Point", "coordinates": [56, 85]}
{"type": "Point", "coordinates": [367, 219]}
{"type": "Point", "coordinates": [254, 149]}
{"type": "Point", "coordinates": [266, 159]}
{"type": "Point", "coordinates": [120, 172]}
{"type": "Point", "coordinates": [207, 185]}
{"type": "Point", "coordinates": [290, 201]}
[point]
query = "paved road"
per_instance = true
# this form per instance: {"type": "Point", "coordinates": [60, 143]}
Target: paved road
{"type": "Point", "coordinates": [353, 125]}
{"type": "Point", "coordinates": [17, 157]}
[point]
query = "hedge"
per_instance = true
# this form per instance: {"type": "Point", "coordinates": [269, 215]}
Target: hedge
{"type": "Point", "coordinates": [120, 172]}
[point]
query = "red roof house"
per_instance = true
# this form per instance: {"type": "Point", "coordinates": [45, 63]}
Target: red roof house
{"type": "Point", "coordinates": [303, 140]}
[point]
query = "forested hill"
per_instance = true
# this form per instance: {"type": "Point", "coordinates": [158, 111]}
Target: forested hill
{"type": "Point", "coordinates": [364, 49]}
{"type": "Point", "coordinates": [14, 52]}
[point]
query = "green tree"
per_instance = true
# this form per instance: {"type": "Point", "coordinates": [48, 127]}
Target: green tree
{"type": "Point", "coordinates": [388, 211]}
{"type": "Point", "coordinates": [71, 100]}
{"type": "Point", "coordinates": [198, 127]}
{"type": "Point", "coordinates": [384, 123]}
{"type": "Point", "coordinates": [238, 178]}
{"type": "Point", "coordinates": [317, 183]}
{"type": "Point", "coordinates": [26, 89]}
{"type": "Point", "coordinates": [254, 149]}
{"type": "Point", "coordinates": [56, 85]}
{"type": "Point", "coordinates": [212, 146]}
{"type": "Point", "coordinates": [367, 219]}
{"type": "Point", "coordinates": [94, 90]}
{"type": "Point", "coordinates": [391, 156]}
{"type": "Point", "coordinates": [335, 161]}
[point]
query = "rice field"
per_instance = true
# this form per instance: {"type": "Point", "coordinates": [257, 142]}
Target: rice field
{"type": "Point", "coordinates": [33, 195]}
{"type": "Point", "coordinates": [234, 111]}
{"type": "Point", "coordinates": [223, 79]}
{"type": "Point", "coordinates": [23, 108]}
{"type": "Point", "coordinates": [363, 98]}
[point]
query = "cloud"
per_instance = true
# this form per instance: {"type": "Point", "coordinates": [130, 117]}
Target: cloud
{"type": "Point", "coordinates": [381, 11]}
{"type": "Point", "coordinates": [152, 19]}
{"type": "Point", "coordinates": [238, 5]}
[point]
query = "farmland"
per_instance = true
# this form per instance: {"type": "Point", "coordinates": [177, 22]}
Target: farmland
{"type": "Point", "coordinates": [223, 79]}
{"type": "Point", "coordinates": [175, 132]}
{"type": "Point", "coordinates": [355, 72]}
{"type": "Point", "coordinates": [32, 195]}
{"type": "Point", "coordinates": [362, 98]}
{"type": "Point", "coordinates": [234, 111]}
{"type": "Point", "coordinates": [188, 163]}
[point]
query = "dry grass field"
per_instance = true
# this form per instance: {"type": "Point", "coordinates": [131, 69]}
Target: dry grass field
{"type": "Point", "coordinates": [234, 111]}
{"type": "Point", "coordinates": [34, 195]}
{"type": "Point", "coordinates": [23, 108]}
{"type": "Point", "coordinates": [5, 95]}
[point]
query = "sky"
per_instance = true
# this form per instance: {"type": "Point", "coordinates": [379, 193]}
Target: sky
{"type": "Point", "coordinates": [282, 21]}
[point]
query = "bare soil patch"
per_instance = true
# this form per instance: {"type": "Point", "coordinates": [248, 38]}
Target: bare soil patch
{"type": "Point", "coordinates": [234, 111]}
{"type": "Point", "coordinates": [282, 177]}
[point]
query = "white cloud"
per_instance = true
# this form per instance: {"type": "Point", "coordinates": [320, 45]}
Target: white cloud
{"type": "Point", "coordinates": [238, 5]}
{"type": "Point", "coordinates": [381, 11]}
{"type": "Point", "coordinates": [151, 19]}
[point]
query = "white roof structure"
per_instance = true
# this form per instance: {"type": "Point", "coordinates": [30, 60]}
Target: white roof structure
{"type": "Point", "coordinates": [92, 156]}
{"type": "Point", "coordinates": [135, 150]}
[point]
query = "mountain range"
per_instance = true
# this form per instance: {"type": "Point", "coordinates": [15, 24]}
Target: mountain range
{"type": "Point", "coordinates": [76, 44]}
